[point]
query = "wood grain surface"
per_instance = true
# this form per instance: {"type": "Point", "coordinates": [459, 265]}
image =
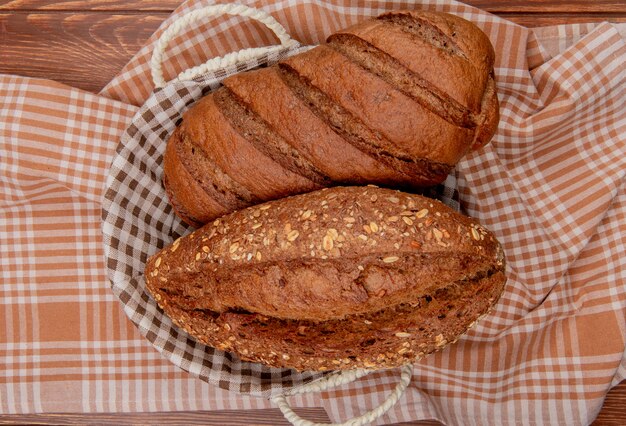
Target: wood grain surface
{"type": "Point", "coordinates": [83, 50]}
{"type": "Point", "coordinates": [166, 6]}
{"type": "Point", "coordinates": [85, 43]}
{"type": "Point", "coordinates": [271, 417]}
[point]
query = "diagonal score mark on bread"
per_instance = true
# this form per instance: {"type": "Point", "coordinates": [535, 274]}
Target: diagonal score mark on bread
{"type": "Point", "coordinates": [356, 133]}
{"type": "Point", "coordinates": [425, 30]}
{"type": "Point", "coordinates": [211, 178]}
{"type": "Point", "coordinates": [403, 79]}
{"type": "Point", "coordinates": [265, 139]}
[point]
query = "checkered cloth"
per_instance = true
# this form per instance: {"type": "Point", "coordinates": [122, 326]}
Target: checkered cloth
{"type": "Point", "coordinates": [550, 186]}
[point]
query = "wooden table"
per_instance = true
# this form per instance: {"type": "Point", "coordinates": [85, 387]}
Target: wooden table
{"type": "Point", "coordinates": [85, 43]}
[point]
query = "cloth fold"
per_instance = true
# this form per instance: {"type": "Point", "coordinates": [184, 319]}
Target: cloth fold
{"type": "Point", "coordinates": [551, 185]}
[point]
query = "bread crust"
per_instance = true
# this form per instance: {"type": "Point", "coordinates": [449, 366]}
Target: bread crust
{"type": "Point", "coordinates": [330, 261]}
{"type": "Point", "coordinates": [395, 101]}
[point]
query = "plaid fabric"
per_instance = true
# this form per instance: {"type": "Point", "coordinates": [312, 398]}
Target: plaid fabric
{"type": "Point", "coordinates": [550, 185]}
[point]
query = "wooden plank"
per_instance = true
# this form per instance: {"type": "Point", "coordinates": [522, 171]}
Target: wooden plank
{"type": "Point", "coordinates": [494, 6]}
{"type": "Point", "coordinates": [271, 416]}
{"type": "Point", "coordinates": [614, 409]}
{"type": "Point", "coordinates": [552, 6]}
{"type": "Point", "coordinates": [87, 49]}
{"type": "Point", "coordinates": [531, 20]}
{"type": "Point", "coordinates": [166, 6]}
{"type": "Point", "coordinates": [83, 50]}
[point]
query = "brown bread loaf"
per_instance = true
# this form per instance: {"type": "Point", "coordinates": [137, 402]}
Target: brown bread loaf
{"type": "Point", "coordinates": [395, 101]}
{"type": "Point", "coordinates": [347, 277]}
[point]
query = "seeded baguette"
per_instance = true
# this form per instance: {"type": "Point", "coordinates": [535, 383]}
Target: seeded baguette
{"type": "Point", "coordinates": [347, 277]}
{"type": "Point", "coordinates": [397, 101]}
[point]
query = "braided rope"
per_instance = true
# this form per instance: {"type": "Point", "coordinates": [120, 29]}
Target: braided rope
{"type": "Point", "coordinates": [220, 62]}
{"type": "Point", "coordinates": [336, 380]}
{"type": "Point", "coordinates": [329, 381]}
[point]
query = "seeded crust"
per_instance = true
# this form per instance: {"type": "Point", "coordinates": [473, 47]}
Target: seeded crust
{"type": "Point", "coordinates": [395, 101]}
{"type": "Point", "coordinates": [347, 277]}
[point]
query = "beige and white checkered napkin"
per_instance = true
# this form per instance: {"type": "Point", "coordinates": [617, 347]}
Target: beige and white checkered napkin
{"type": "Point", "coordinates": [550, 185]}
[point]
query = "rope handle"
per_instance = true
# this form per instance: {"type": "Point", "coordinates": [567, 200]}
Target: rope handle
{"type": "Point", "coordinates": [340, 379]}
{"type": "Point", "coordinates": [223, 61]}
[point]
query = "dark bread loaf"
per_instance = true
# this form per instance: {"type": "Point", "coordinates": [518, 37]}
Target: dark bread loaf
{"type": "Point", "coordinates": [395, 101]}
{"type": "Point", "coordinates": [347, 277]}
